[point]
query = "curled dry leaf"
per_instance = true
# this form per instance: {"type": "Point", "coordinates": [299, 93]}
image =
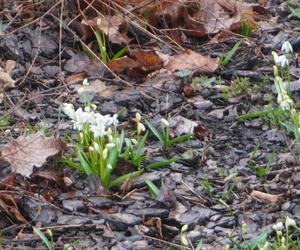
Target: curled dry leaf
{"type": "Point", "coordinates": [24, 153]}
{"type": "Point", "coordinates": [192, 61]}
{"type": "Point", "coordinates": [272, 198]}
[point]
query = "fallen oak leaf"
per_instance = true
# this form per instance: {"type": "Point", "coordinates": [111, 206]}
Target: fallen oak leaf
{"type": "Point", "coordinates": [272, 198]}
{"type": "Point", "coordinates": [193, 61]}
{"type": "Point", "coordinates": [24, 153]}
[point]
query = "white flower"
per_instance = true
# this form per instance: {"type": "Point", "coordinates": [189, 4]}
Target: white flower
{"type": "Point", "coordinates": [109, 166]}
{"type": "Point", "coordinates": [110, 145]}
{"type": "Point", "coordinates": [278, 227]}
{"type": "Point", "coordinates": [164, 123]}
{"type": "Point", "coordinates": [140, 127]}
{"type": "Point", "coordinates": [290, 222]}
{"type": "Point", "coordinates": [281, 61]}
{"type": "Point", "coordinates": [96, 146]}
{"type": "Point", "coordinates": [138, 117]}
{"type": "Point", "coordinates": [91, 148]}
{"type": "Point", "coordinates": [69, 110]}
{"type": "Point", "coordinates": [105, 152]}
{"type": "Point", "coordinates": [115, 120]}
{"type": "Point", "coordinates": [134, 141]}
{"type": "Point", "coordinates": [85, 82]}
{"type": "Point", "coordinates": [98, 130]}
{"type": "Point", "coordinates": [83, 117]}
{"type": "Point", "coordinates": [287, 47]}
{"type": "Point", "coordinates": [286, 105]}
{"type": "Point", "coordinates": [87, 109]}
{"type": "Point", "coordinates": [93, 106]}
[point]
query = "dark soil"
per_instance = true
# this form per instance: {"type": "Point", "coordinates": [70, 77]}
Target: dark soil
{"type": "Point", "coordinates": [208, 189]}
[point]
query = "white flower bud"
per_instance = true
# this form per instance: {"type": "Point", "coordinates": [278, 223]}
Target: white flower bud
{"type": "Point", "coordinates": [278, 227]}
{"type": "Point", "coordinates": [140, 127]}
{"type": "Point", "coordinates": [96, 146]}
{"type": "Point", "coordinates": [110, 145]}
{"type": "Point", "coordinates": [85, 82]}
{"type": "Point", "coordinates": [134, 141]}
{"type": "Point", "coordinates": [138, 117]}
{"type": "Point", "coordinates": [287, 47]}
{"type": "Point", "coordinates": [164, 123]}
{"type": "Point", "coordinates": [290, 222]}
{"type": "Point", "coordinates": [105, 152]}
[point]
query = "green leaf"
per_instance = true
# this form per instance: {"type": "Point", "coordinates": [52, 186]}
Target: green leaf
{"type": "Point", "coordinates": [259, 240]}
{"type": "Point", "coordinates": [254, 115]}
{"type": "Point", "coordinates": [72, 164]}
{"type": "Point", "coordinates": [159, 164]}
{"type": "Point", "coordinates": [121, 179]}
{"type": "Point", "coordinates": [120, 53]}
{"type": "Point", "coordinates": [43, 237]}
{"type": "Point", "coordinates": [141, 144]}
{"type": "Point", "coordinates": [294, 12]}
{"type": "Point", "coordinates": [152, 188]}
{"type": "Point", "coordinates": [156, 133]}
{"type": "Point", "coordinates": [180, 139]}
{"type": "Point", "coordinates": [112, 159]}
{"type": "Point", "coordinates": [225, 61]}
{"type": "Point", "coordinates": [84, 161]}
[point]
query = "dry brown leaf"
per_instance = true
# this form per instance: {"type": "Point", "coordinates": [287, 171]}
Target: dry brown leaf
{"type": "Point", "coordinates": [24, 153]}
{"type": "Point", "coordinates": [9, 207]}
{"type": "Point", "coordinates": [264, 196]}
{"type": "Point", "coordinates": [192, 61]}
{"type": "Point", "coordinates": [200, 17]}
{"type": "Point", "coordinates": [121, 64]}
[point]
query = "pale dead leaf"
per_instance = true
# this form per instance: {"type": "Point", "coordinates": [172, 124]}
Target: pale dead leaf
{"type": "Point", "coordinates": [272, 198]}
{"type": "Point", "coordinates": [24, 153]}
{"type": "Point", "coordinates": [6, 81]}
{"type": "Point", "coordinates": [192, 61]}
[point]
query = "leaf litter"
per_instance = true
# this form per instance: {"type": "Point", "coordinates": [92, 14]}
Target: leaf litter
{"type": "Point", "coordinates": [214, 189]}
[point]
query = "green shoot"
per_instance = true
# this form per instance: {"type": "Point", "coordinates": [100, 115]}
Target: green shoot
{"type": "Point", "coordinates": [164, 135]}
{"type": "Point", "coordinates": [152, 188]}
{"type": "Point", "coordinates": [49, 243]}
{"type": "Point", "coordinates": [224, 61]}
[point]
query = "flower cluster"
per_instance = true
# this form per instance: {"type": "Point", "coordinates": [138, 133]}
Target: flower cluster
{"type": "Point", "coordinates": [97, 123]}
{"type": "Point", "coordinates": [282, 62]}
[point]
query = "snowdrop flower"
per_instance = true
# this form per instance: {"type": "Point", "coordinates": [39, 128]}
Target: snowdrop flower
{"type": "Point", "coordinates": [138, 117]}
{"type": "Point", "coordinates": [87, 109]}
{"type": "Point", "coordinates": [286, 105]}
{"type": "Point", "coordinates": [83, 117]}
{"type": "Point", "coordinates": [110, 145]}
{"type": "Point", "coordinates": [69, 110]}
{"type": "Point", "coordinates": [93, 107]}
{"type": "Point", "coordinates": [164, 122]}
{"type": "Point", "coordinates": [96, 146]}
{"type": "Point", "coordinates": [109, 167]}
{"type": "Point", "coordinates": [287, 47]}
{"type": "Point", "coordinates": [290, 222]}
{"type": "Point", "coordinates": [98, 130]}
{"type": "Point", "coordinates": [91, 148]}
{"type": "Point", "coordinates": [115, 120]}
{"type": "Point", "coordinates": [140, 127]}
{"type": "Point", "coordinates": [281, 61]}
{"type": "Point", "coordinates": [134, 141]}
{"type": "Point", "coordinates": [105, 152]}
{"type": "Point", "coordinates": [278, 227]}
{"type": "Point", "coordinates": [85, 82]}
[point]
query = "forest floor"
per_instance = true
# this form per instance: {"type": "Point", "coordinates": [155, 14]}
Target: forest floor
{"type": "Point", "coordinates": [233, 172]}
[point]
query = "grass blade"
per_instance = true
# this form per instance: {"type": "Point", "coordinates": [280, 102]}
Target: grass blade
{"type": "Point", "coordinates": [159, 164]}
{"type": "Point", "coordinates": [84, 161]}
{"type": "Point", "coordinates": [152, 188]}
{"type": "Point", "coordinates": [180, 139]}
{"type": "Point", "coordinates": [121, 179]}
{"type": "Point", "coordinates": [43, 237]}
{"type": "Point", "coordinates": [225, 61]}
{"type": "Point", "coordinates": [155, 132]}
{"type": "Point", "coordinates": [294, 12]}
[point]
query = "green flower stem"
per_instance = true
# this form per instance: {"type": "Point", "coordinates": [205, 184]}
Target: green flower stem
{"type": "Point", "coordinates": [102, 160]}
